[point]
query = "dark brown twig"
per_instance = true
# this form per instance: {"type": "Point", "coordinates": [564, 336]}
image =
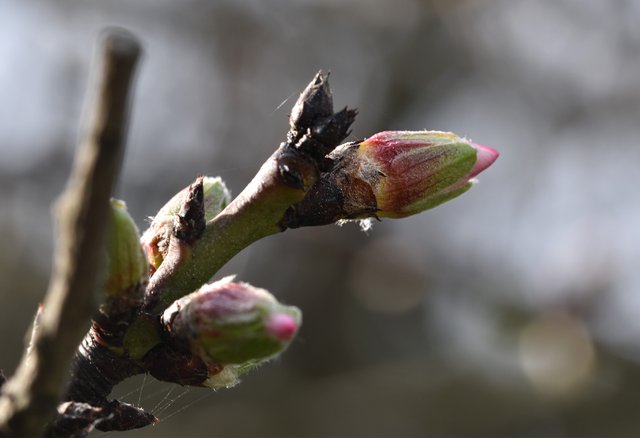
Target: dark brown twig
{"type": "Point", "coordinates": [29, 398]}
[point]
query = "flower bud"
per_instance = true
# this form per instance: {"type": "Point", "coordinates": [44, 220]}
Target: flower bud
{"type": "Point", "coordinates": [232, 327]}
{"type": "Point", "coordinates": [391, 174]}
{"type": "Point", "coordinates": [155, 241]}
{"type": "Point", "coordinates": [126, 264]}
{"type": "Point", "coordinates": [412, 171]}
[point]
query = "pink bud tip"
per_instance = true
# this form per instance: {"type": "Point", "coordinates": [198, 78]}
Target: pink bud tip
{"type": "Point", "coordinates": [486, 157]}
{"type": "Point", "coordinates": [282, 326]}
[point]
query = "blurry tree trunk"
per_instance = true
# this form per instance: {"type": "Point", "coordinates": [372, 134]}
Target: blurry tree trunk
{"type": "Point", "coordinates": [28, 399]}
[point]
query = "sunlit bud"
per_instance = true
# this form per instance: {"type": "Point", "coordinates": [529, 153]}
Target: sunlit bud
{"type": "Point", "coordinates": [126, 264]}
{"type": "Point", "coordinates": [155, 241]}
{"type": "Point", "coordinates": [232, 326]}
{"type": "Point", "coordinates": [391, 174]}
{"type": "Point", "coordinates": [412, 171]}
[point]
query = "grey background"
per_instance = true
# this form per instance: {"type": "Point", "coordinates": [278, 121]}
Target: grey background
{"type": "Point", "coordinates": [510, 311]}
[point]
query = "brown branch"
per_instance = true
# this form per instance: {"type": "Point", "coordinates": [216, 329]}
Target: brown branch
{"type": "Point", "coordinates": [29, 398]}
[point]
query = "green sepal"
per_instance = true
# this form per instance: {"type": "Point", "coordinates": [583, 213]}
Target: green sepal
{"type": "Point", "coordinates": [438, 199]}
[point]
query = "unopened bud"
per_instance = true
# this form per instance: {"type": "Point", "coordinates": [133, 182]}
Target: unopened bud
{"type": "Point", "coordinates": [412, 171]}
{"type": "Point", "coordinates": [155, 241]}
{"type": "Point", "coordinates": [127, 266]}
{"type": "Point", "coordinates": [391, 174]}
{"type": "Point", "coordinates": [232, 327]}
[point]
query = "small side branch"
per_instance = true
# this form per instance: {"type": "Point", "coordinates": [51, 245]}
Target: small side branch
{"type": "Point", "coordinates": [29, 398]}
{"type": "Point", "coordinates": [260, 209]}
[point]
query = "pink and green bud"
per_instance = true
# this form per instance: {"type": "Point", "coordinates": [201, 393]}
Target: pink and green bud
{"type": "Point", "coordinates": [127, 266]}
{"type": "Point", "coordinates": [391, 174]}
{"type": "Point", "coordinates": [155, 241]}
{"type": "Point", "coordinates": [232, 327]}
{"type": "Point", "coordinates": [412, 171]}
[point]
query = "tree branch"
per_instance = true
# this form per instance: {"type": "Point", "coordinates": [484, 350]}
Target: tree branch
{"type": "Point", "coordinates": [172, 326]}
{"type": "Point", "coordinates": [258, 211]}
{"type": "Point", "coordinates": [29, 398]}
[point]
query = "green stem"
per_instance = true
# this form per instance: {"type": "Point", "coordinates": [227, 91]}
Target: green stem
{"type": "Point", "coordinates": [254, 214]}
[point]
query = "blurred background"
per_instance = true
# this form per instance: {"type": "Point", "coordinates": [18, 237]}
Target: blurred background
{"type": "Point", "coordinates": [513, 310]}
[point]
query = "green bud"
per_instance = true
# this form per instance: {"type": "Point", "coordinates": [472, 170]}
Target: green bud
{"type": "Point", "coordinates": [391, 174]}
{"type": "Point", "coordinates": [216, 196]}
{"type": "Point", "coordinates": [412, 171]}
{"type": "Point", "coordinates": [127, 266]}
{"type": "Point", "coordinates": [233, 327]}
{"type": "Point", "coordinates": [155, 241]}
